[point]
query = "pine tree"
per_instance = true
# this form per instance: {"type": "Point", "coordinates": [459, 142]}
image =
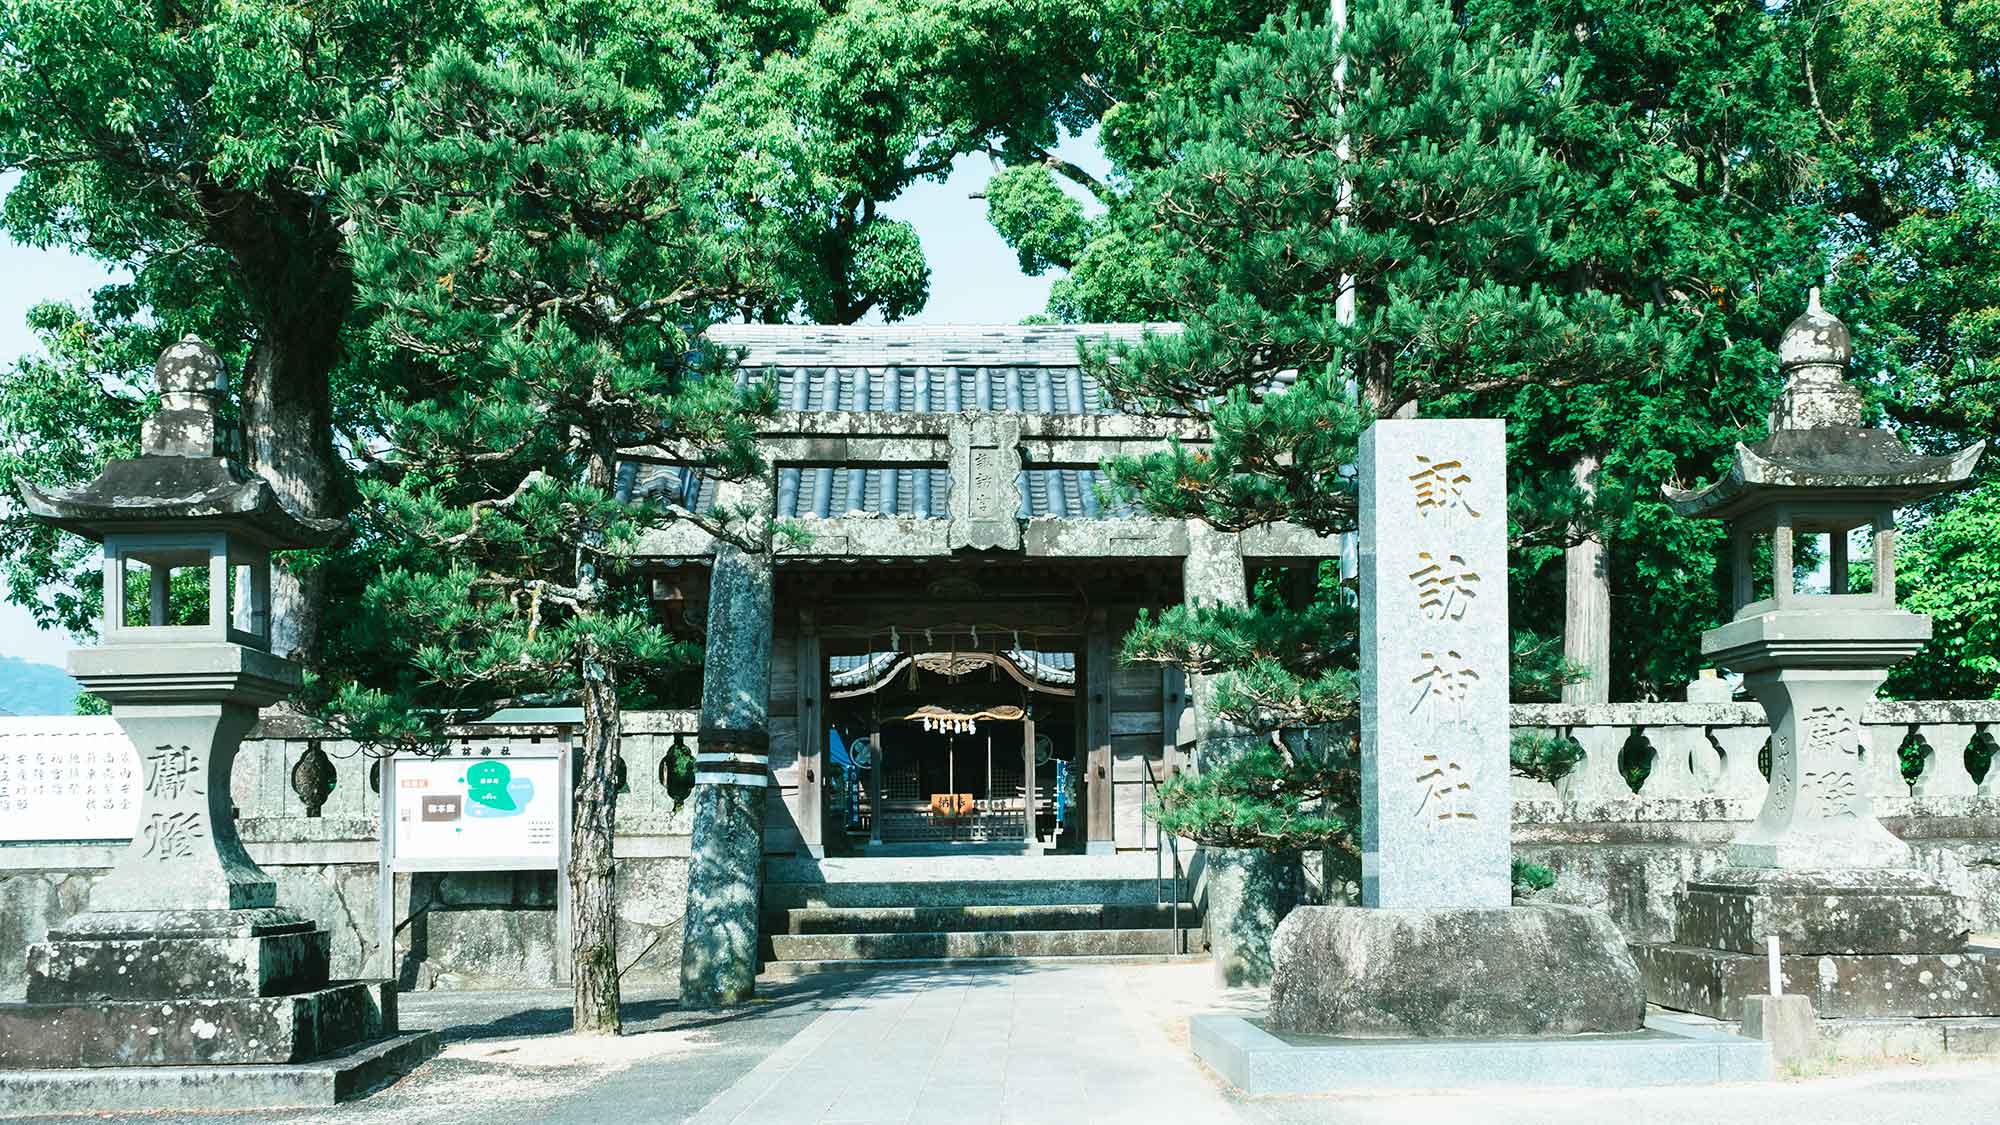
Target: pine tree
{"type": "Point", "coordinates": [1430, 179]}
{"type": "Point", "coordinates": [548, 243]}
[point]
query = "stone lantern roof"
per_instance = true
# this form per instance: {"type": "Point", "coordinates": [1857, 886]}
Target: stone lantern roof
{"type": "Point", "coordinates": [1818, 450]}
{"type": "Point", "coordinates": [178, 482]}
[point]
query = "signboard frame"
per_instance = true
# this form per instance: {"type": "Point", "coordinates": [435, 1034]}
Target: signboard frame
{"type": "Point", "coordinates": [390, 864]}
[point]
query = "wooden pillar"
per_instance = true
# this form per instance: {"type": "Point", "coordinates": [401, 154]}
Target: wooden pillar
{"type": "Point", "coordinates": [875, 756]}
{"type": "Point", "coordinates": [811, 812]}
{"type": "Point", "coordinates": [1099, 837]}
{"type": "Point", "coordinates": [1028, 786]}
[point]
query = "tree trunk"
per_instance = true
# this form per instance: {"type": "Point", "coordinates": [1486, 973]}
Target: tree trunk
{"type": "Point", "coordinates": [288, 259]}
{"type": "Point", "coordinates": [592, 872]}
{"type": "Point", "coordinates": [288, 439]}
{"type": "Point", "coordinates": [1587, 604]}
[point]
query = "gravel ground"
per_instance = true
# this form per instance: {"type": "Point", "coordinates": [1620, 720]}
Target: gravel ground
{"type": "Point", "coordinates": [507, 1058]}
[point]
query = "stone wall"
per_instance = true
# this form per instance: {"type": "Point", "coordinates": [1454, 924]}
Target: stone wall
{"type": "Point", "coordinates": [1661, 789]}
{"type": "Point", "coordinates": [1626, 852]}
{"type": "Point", "coordinates": [459, 930]}
{"type": "Point", "coordinates": [1628, 858]}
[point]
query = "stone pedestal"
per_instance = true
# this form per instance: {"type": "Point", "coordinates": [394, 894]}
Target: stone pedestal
{"type": "Point", "coordinates": [1885, 910]}
{"type": "Point", "coordinates": [1437, 950]}
{"type": "Point", "coordinates": [191, 954]}
{"type": "Point", "coordinates": [1713, 982]}
{"type": "Point", "coordinates": [184, 958]}
{"type": "Point", "coordinates": [1858, 942]}
{"type": "Point", "coordinates": [1862, 934]}
{"type": "Point", "coordinates": [1478, 973]}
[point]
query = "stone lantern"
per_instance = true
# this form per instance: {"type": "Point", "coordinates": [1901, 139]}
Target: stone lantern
{"type": "Point", "coordinates": [1815, 659]}
{"type": "Point", "coordinates": [184, 957]}
{"type": "Point", "coordinates": [1817, 870]}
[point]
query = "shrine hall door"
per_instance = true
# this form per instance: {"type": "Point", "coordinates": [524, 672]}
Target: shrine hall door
{"type": "Point", "coordinates": [1132, 721]}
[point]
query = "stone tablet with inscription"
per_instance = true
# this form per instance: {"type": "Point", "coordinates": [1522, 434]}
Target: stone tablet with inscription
{"type": "Point", "coordinates": [1435, 792]}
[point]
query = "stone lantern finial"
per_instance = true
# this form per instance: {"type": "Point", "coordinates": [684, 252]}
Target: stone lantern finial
{"type": "Point", "coordinates": [191, 382]}
{"type": "Point", "coordinates": [1812, 356]}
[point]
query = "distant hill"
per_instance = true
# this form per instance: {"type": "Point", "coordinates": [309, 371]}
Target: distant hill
{"type": "Point", "coordinates": [35, 689]}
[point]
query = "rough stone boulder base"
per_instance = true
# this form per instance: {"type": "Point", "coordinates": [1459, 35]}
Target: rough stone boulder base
{"type": "Point", "coordinates": [1524, 970]}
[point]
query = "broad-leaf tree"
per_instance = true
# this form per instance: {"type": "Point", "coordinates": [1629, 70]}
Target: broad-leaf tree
{"type": "Point", "coordinates": [188, 143]}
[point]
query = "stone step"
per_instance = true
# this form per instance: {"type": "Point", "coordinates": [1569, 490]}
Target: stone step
{"type": "Point", "coordinates": [964, 919]}
{"type": "Point", "coordinates": [961, 867]}
{"type": "Point", "coordinates": [783, 896]}
{"type": "Point", "coordinates": [792, 970]}
{"type": "Point", "coordinates": [979, 945]}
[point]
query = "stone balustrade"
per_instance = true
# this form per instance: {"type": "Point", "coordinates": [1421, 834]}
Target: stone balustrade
{"type": "Point", "coordinates": [1623, 850]}
{"type": "Point", "coordinates": [1712, 750]}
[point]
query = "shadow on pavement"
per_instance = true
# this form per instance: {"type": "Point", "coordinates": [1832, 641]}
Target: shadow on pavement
{"type": "Point", "coordinates": [460, 1017]}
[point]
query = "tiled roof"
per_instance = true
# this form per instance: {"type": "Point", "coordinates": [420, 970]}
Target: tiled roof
{"type": "Point", "coordinates": [1023, 369]}
{"type": "Point", "coordinates": [943, 345]}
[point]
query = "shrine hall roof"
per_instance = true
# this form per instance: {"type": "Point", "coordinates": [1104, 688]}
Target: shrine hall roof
{"type": "Point", "coordinates": [857, 670]}
{"type": "Point", "coordinates": [931, 369]}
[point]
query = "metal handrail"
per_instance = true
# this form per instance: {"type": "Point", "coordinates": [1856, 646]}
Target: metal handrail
{"type": "Point", "coordinates": [1179, 938]}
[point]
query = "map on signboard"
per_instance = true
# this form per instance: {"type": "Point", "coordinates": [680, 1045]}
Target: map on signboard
{"type": "Point", "coordinates": [485, 808]}
{"type": "Point", "coordinates": [67, 778]}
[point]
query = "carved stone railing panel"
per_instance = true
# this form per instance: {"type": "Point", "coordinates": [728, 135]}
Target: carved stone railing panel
{"type": "Point", "coordinates": [1883, 760]}
{"type": "Point", "coordinates": [1596, 775]}
{"type": "Point", "coordinates": [1711, 750]}
{"type": "Point", "coordinates": [1740, 748]}
{"type": "Point", "coordinates": [1673, 773]}
{"type": "Point", "coordinates": [1944, 773]}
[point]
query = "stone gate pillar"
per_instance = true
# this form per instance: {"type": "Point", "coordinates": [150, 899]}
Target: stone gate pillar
{"type": "Point", "coordinates": [1249, 891]}
{"type": "Point", "coordinates": [725, 871]}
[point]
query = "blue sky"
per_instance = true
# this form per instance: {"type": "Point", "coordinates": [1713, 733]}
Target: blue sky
{"type": "Point", "coordinates": [974, 280]}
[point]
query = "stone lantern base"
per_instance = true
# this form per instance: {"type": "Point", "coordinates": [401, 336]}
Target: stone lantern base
{"type": "Point", "coordinates": [186, 985]}
{"type": "Point", "coordinates": [1860, 942]}
{"type": "Point", "coordinates": [188, 988]}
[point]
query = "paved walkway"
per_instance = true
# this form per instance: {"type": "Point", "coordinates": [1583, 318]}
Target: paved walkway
{"type": "Point", "coordinates": [1044, 1044]}
{"type": "Point", "coordinates": [980, 1047]}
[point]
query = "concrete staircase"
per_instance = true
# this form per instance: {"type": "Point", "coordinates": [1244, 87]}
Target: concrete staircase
{"type": "Point", "coordinates": [944, 909]}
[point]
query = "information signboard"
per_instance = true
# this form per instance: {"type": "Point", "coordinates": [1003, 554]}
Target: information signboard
{"type": "Point", "coordinates": [67, 778]}
{"type": "Point", "coordinates": [504, 808]}
{"type": "Point", "coordinates": [486, 806]}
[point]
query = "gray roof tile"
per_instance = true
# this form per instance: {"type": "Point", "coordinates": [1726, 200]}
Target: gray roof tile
{"type": "Point", "coordinates": [1025, 369]}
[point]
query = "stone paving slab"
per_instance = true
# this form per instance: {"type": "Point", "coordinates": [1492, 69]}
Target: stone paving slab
{"type": "Point", "coordinates": [1670, 1052]}
{"type": "Point", "coordinates": [1047, 1044]}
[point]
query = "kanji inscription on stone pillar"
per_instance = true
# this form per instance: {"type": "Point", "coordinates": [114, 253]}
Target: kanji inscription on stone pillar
{"type": "Point", "coordinates": [1435, 792]}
